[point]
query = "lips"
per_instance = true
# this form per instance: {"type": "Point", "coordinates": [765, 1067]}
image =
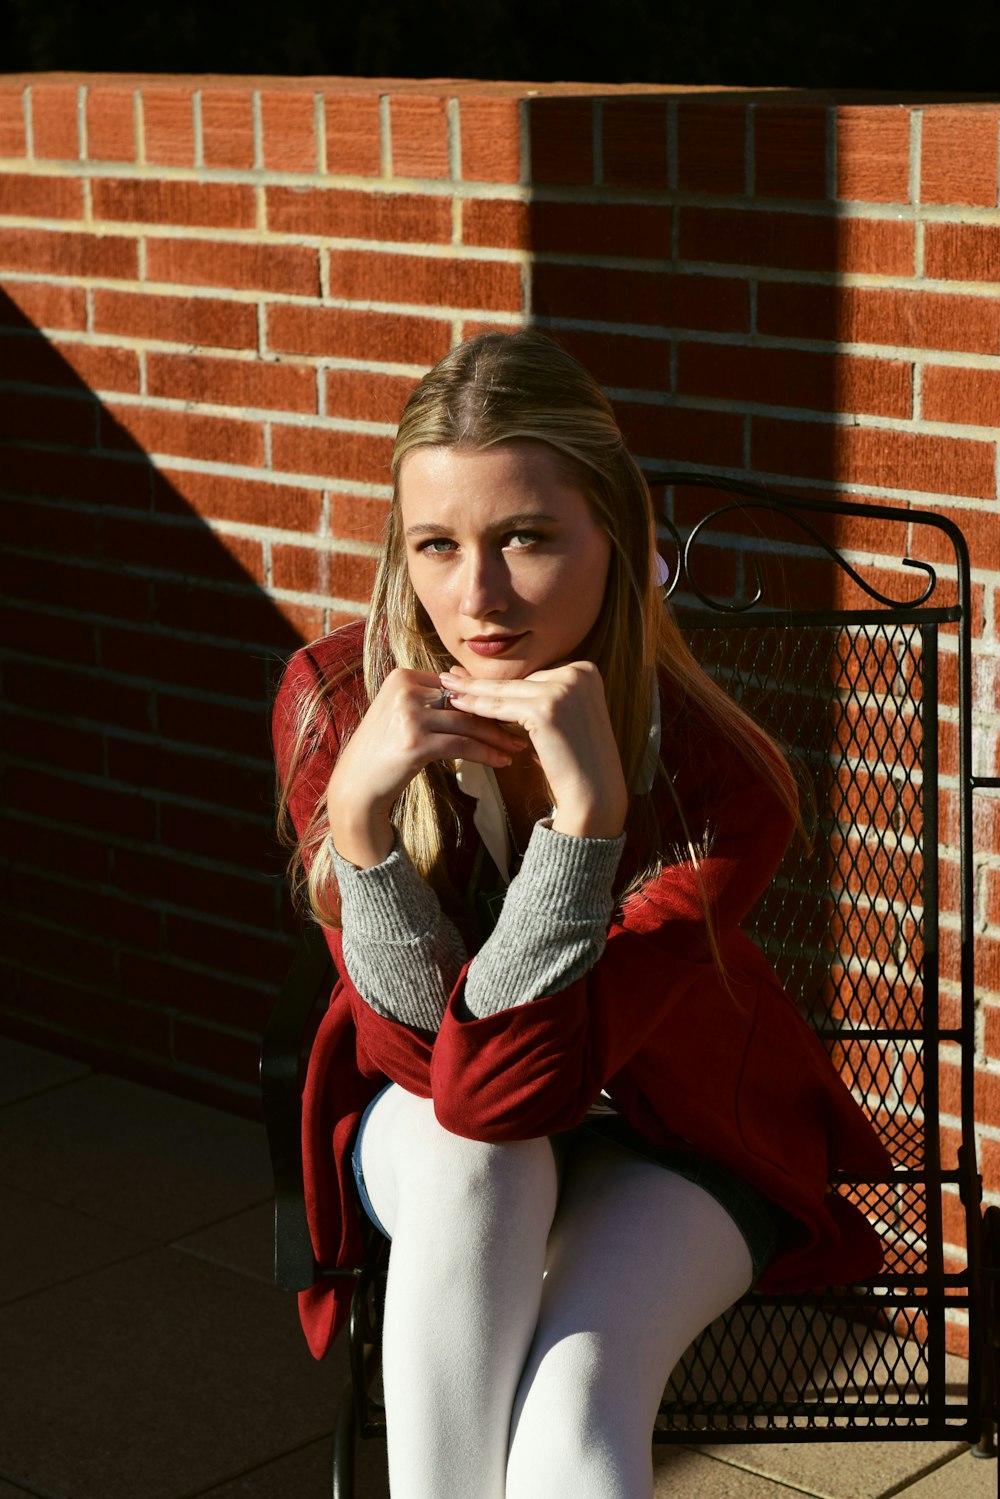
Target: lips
{"type": "Point", "coordinates": [493, 645]}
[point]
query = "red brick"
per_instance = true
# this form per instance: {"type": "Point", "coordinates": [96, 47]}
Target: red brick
{"type": "Point", "coordinates": [164, 981]}
{"type": "Point", "coordinates": [981, 529]}
{"type": "Point", "coordinates": [790, 377]}
{"type": "Point", "coordinates": [347, 213]}
{"type": "Point", "coordinates": [216, 497]}
{"type": "Point", "coordinates": [60, 252]}
{"type": "Point", "coordinates": [797, 241]}
{"type": "Point", "coordinates": [357, 395]}
{"type": "Point", "coordinates": [35, 361]}
{"type": "Point", "coordinates": [852, 314]}
{"type": "Point", "coordinates": [288, 128]}
{"type": "Point", "coordinates": [991, 907]}
{"type": "Point", "coordinates": [54, 129]}
{"type": "Point", "coordinates": [491, 140]}
{"type": "Point", "coordinates": [224, 205]}
{"type": "Point", "coordinates": [629, 230]}
{"type": "Point", "coordinates": [873, 153]}
{"type": "Point", "coordinates": [82, 804]}
{"type": "Point", "coordinates": [353, 134]}
{"type": "Point", "coordinates": [682, 436]}
{"type": "Point", "coordinates": [634, 142]}
{"type": "Point", "coordinates": [183, 434]}
{"type": "Point", "coordinates": [232, 382]}
{"type": "Point", "coordinates": [71, 748]}
{"type": "Point", "coordinates": [309, 622]}
{"type": "Point", "coordinates": [227, 128]}
{"type": "Point", "coordinates": [958, 156]}
{"type": "Point", "coordinates": [110, 123]}
{"type": "Point", "coordinates": [260, 958]}
{"type": "Point", "coordinates": [168, 126]}
{"type": "Point", "coordinates": [711, 147]}
{"type": "Point", "coordinates": [42, 416]}
{"type": "Point", "coordinates": [186, 320]}
{"type": "Point", "coordinates": [357, 517]}
{"type": "Point", "coordinates": [235, 1058]}
{"type": "Point", "coordinates": [41, 197]}
{"type": "Point", "coordinates": [335, 574]}
{"type": "Point", "coordinates": [36, 632]}
{"type": "Point", "coordinates": [157, 767]}
{"type": "Point", "coordinates": [497, 222]}
{"type": "Point", "coordinates": [431, 281]}
{"type": "Point", "coordinates": [418, 135]}
{"type": "Point", "coordinates": [154, 657]}
{"type": "Point", "coordinates": [77, 477]}
{"type": "Point", "coordinates": [790, 151]}
{"type": "Point", "coordinates": [860, 455]}
{"type": "Point", "coordinates": [339, 333]}
{"type": "Point", "coordinates": [202, 262]}
{"type": "Point", "coordinates": [953, 394]}
{"type": "Point", "coordinates": [84, 695]}
{"type": "Point", "coordinates": [962, 252]}
{"type": "Point", "coordinates": [620, 358]}
{"type": "Point", "coordinates": [561, 135]}
{"type": "Point", "coordinates": [13, 138]}
{"type": "Point", "coordinates": [191, 551]}
{"type": "Point", "coordinates": [649, 298]}
{"type": "Point", "coordinates": [193, 720]}
{"type": "Point", "coordinates": [248, 617]}
{"type": "Point", "coordinates": [335, 455]}
{"type": "Point", "coordinates": [45, 306]}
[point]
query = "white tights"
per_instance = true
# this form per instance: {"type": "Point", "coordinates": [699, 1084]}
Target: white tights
{"type": "Point", "coordinates": [500, 1384]}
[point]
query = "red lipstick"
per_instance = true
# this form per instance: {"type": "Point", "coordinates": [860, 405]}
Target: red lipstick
{"type": "Point", "coordinates": [493, 645]}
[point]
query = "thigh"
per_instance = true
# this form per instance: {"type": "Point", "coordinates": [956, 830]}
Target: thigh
{"type": "Point", "coordinates": [413, 1166]}
{"type": "Point", "coordinates": [639, 1261]}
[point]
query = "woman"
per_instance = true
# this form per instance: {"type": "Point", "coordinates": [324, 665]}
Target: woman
{"type": "Point", "coordinates": [532, 825]}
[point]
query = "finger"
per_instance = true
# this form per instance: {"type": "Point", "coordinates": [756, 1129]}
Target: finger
{"type": "Point", "coordinates": [487, 731]}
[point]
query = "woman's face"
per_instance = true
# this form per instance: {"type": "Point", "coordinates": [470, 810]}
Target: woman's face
{"type": "Point", "coordinates": [504, 555]}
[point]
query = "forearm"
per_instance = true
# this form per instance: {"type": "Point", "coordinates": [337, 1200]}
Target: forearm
{"type": "Point", "coordinates": [553, 925]}
{"type": "Point", "coordinates": [401, 951]}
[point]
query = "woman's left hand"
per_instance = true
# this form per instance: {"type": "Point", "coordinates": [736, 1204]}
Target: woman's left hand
{"type": "Point", "coordinates": [565, 714]}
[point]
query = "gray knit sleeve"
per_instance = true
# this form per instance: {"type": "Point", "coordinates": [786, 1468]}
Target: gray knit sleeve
{"type": "Point", "coordinates": [553, 925]}
{"type": "Point", "coordinates": [401, 951]}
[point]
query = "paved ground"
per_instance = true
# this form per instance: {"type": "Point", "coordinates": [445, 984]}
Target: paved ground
{"type": "Point", "coordinates": [144, 1353]}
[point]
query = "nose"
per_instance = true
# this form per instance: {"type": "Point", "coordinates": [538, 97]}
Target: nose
{"type": "Point", "coordinates": [485, 585]}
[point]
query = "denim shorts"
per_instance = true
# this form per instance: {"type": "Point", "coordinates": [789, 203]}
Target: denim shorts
{"type": "Point", "coordinates": [758, 1220]}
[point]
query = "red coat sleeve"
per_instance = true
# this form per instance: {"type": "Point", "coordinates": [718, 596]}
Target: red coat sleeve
{"type": "Point", "coordinates": [536, 1069]}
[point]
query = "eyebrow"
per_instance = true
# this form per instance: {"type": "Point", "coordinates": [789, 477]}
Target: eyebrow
{"type": "Point", "coordinates": [509, 523]}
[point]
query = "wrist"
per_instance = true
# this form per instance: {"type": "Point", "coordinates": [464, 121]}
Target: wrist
{"type": "Point", "coordinates": [364, 839]}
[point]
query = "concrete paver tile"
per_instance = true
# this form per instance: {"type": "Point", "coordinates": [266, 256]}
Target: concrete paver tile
{"type": "Point", "coordinates": [680, 1473]}
{"type": "Point", "coordinates": [244, 1242]}
{"type": "Point", "coordinates": [145, 1160]}
{"type": "Point", "coordinates": [306, 1474]}
{"type": "Point", "coordinates": [839, 1470]}
{"type": "Point", "coordinates": [964, 1477]}
{"type": "Point", "coordinates": [160, 1377]}
{"type": "Point", "coordinates": [28, 1069]}
{"type": "Point", "coordinates": [43, 1244]}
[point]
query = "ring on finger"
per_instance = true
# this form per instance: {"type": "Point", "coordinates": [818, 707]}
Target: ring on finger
{"type": "Point", "coordinates": [442, 701]}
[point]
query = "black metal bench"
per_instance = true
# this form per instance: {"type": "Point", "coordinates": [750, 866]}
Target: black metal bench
{"type": "Point", "coordinates": [853, 928]}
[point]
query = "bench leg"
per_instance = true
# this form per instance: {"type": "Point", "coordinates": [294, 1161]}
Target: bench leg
{"type": "Point", "coordinates": [344, 1438]}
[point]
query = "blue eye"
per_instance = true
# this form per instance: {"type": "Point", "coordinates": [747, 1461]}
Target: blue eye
{"type": "Point", "coordinates": [438, 546]}
{"type": "Point", "coordinates": [524, 538]}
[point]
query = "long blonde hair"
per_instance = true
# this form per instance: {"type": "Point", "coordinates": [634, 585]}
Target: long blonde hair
{"type": "Point", "coordinates": [511, 387]}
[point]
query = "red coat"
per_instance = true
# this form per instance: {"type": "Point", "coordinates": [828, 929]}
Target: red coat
{"type": "Point", "coordinates": [737, 1074]}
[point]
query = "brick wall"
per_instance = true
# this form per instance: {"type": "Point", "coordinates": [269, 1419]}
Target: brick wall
{"type": "Point", "coordinates": [216, 294]}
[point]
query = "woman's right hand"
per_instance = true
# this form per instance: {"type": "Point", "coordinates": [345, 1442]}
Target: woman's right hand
{"type": "Point", "coordinates": [403, 731]}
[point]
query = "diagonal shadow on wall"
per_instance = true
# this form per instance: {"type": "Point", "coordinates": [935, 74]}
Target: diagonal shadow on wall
{"type": "Point", "coordinates": [144, 908]}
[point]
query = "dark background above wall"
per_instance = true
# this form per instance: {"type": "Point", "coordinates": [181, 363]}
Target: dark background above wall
{"type": "Point", "coordinates": [894, 44]}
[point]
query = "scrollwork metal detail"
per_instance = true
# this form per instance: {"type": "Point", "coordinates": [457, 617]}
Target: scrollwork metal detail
{"type": "Point", "coordinates": [749, 498]}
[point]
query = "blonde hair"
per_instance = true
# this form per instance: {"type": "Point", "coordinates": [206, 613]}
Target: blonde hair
{"type": "Point", "coordinates": [500, 388]}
